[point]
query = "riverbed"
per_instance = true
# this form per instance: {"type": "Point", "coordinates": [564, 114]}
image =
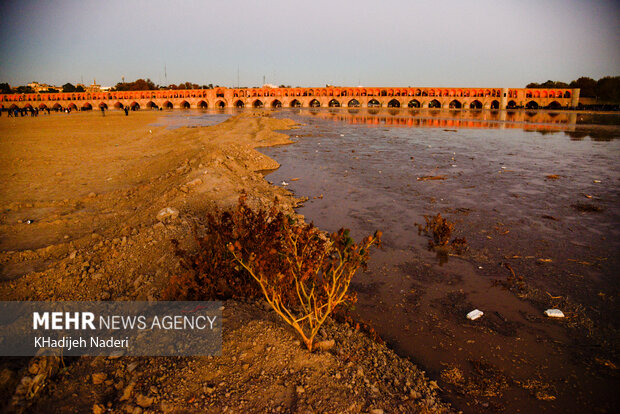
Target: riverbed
{"type": "Point", "coordinates": [535, 195]}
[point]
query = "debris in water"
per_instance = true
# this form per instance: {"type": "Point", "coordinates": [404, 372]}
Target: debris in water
{"type": "Point", "coordinates": [554, 313]}
{"type": "Point", "coordinates": [597, 181]}
{"type": "Point", "coordinates": [284, 183]}
{"type": "Point", "coordinates": [475, 314]}
{"type": "Point", "coordinates": [553, 177]}
{"type": "Point", "coordinates": [432, 177]}
{"type": "Point", "coordinates": [587, 207]}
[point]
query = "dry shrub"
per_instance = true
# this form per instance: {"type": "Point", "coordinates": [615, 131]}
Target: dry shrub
{"type": "Point", "coordinates": [440, 230]}
{"type": "Point", "coordinates": [302, 273]}
{"type": "Point", "coordinates": [212, 273]}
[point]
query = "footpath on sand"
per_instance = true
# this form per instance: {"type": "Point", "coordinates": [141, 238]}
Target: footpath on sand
{"type": "Point", "coordinates": [80, 221]}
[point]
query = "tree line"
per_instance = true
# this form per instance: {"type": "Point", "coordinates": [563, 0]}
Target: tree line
{"type": "Point", "coordinates": [137, 85]}
{"type": "Point", "coordinates": [605, 89]}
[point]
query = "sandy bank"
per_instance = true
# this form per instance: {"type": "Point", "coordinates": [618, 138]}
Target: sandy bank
{"type": "Point", "coordinates": [79, 222]}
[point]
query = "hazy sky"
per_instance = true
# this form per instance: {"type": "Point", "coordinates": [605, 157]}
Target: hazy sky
{"type": "Point", "coordinates": [309, 43]}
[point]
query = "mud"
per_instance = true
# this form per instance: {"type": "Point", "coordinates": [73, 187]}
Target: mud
{"type": "Point", "coordinates": [362, 169]}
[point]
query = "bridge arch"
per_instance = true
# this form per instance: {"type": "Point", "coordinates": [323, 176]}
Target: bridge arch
{"type": "Point", "coordinates": [455, 104]}
{"type": "Point", "coordinates": [71, 106]}
{"type": "Point", "coordinates": [56, 107]}
{"type": "Point", "coordinates": [511, 104]}
{"type": "Point", "coordinates": [531, 105]}
{"type": "Point", "coordinates": [103, 105]}
{"type": "Point", "coordinates": [394, 103]}
{"type": "Point", "coordinates": [495, 104]}
{"type": "Point", "coordinates": [276, 104]}
{"type": "Point", "coordinates": [353, 103]}
{"type": "Point", "coordinates": [314, 103]}
{"type": "Point", "coordinates": [118, 105]}
{"type": "Point", "coordinates": [554, 105]}
{"type": "Point", "coordinates": [135, 106]}
{"type": "Point", "coordinates": [167, 105]}
{"type": "Point", "coordinates": [184, 105]}
{"type": "Point", "coordinates": [87, 107]}
{"type": "Point", "coordinates": [333, 104]}
{"type": "Point", "coordinates": [151, 105]}
{"type": "Point", "coordinates": [295, 104]}
{"type": "Point", "coordinates": [414, 103]}
{"type": "Point", "coordinates": [43, 106]}
{"type": "Point", "coordinates": [475, 104]}
{"type": "Point", "coordinates": [239, 104]}
{"type": "Point", "coordinates": [373, 103]}
{"type": "Point", "coordinates": [220, 104]}
{"type": "Point", "coordinates": [258, 103]}
{"type": "Point", "coordinates": [202, 105]}
{"type": "Point", "coordinates": [434, 104]}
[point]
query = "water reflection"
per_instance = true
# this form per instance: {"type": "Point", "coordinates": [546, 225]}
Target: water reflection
{"type": "Point", "coordinates": [603, 127]}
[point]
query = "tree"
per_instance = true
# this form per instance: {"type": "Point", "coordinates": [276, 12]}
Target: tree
{"type": "Point", "coordinates": [5, 88]}
{"type": "Point", "coordinates": [587, 86]}
{"type": "Point", "coordinates": [608, 89]}
{"type": "Point", "coordinates": [79, 88]}
{"type": "Point", "coordinates": [68, 87]}
{"type": "Point", "coordinates": [24, 89]}
{"type": "Point", "coordinates": [548, 85]}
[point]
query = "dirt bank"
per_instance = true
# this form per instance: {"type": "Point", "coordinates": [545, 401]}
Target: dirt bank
{"type": "Point", "coordinates": [80, 204]}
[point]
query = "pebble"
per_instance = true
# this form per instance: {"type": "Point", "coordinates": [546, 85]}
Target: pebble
{"type": "Point", "coordinates": [99, 377]}
{"type": "Point", "coordinates": [168, 214]}
{"type": "Point", "coordinates": [144, 401]}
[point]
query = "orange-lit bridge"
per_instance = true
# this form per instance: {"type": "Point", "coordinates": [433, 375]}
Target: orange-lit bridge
{"type": "Point", "coordinates": [220, 98]}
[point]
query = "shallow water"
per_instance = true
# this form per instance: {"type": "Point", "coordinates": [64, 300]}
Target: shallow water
{"type": "Point", "coordinates": [560, 234]}
{"type": "Point", "coordinates": [538, 191]}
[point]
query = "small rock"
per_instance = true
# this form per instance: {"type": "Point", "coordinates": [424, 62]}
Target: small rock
{"type": "Point", "coordinates": [92, 195]}
{"type": "Point", "coordinates": [300, 389]}
{"type": "Point", "coordinates": [376, 411]}
{"type": "Point", "coordinates": [168, 214]}
{"type": "Point", "coordinates": [99, 377]}
{"type": "Point", "coordinates": [326, 345]}
{"type": "Point", "coordinates": [127, 391]}
{"type": "Point", "coordinates": [98, 409]}
{"type": "Point", "coordinates": [144, 401]}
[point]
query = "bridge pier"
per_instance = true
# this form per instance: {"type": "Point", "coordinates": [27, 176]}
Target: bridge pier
{"type": "Point", "coordinates": [504, 99]}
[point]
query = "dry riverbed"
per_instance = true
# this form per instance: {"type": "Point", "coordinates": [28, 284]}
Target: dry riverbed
{"type": "Point", "coordinates": [80, 200]}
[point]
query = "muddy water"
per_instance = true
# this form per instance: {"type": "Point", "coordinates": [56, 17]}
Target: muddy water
{"type": "Point", "coordinates": [534, 192]}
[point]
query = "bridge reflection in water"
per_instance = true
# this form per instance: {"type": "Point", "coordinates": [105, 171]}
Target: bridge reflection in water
{"type": "Point", "coordinates": [552, 121]}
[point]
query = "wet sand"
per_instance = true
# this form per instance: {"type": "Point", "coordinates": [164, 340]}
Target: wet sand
{"type": "Point", "coordinates": [543, 203]}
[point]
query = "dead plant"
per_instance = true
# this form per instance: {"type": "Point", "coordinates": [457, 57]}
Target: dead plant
{"type": "Point", "coordinates": [305, 275]}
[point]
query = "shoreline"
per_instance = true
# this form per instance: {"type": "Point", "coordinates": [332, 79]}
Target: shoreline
{"type": "Point", "coordinates": [87, 229]}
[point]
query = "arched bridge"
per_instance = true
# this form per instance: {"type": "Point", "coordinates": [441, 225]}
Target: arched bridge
{"type": "Point", "coordinates": [475, 98]}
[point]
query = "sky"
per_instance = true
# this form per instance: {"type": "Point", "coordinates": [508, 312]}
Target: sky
{"type": "Point", "coordinates": [456, 43]}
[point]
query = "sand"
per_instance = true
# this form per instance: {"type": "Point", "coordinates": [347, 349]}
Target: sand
{"type": "Point", "coordinates": [80, 198]}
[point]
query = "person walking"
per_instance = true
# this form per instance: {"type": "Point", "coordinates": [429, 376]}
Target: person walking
{"type": "Point", "coordinates": [102, 110]}
{"type": "Point", "coordinates": [126, 111]}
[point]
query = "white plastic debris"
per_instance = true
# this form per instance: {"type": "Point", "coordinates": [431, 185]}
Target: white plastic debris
{"type": "Point", "coordinates": [554, 313]}
{"type": "Point", "coordinates": [475, 314]}
{"type": "Point", "coordinates": [284, 183]}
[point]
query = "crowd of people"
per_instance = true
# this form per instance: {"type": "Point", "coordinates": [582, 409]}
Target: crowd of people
{"type": "Point", "coordinates": [17, 112]}
{"type": "Point", "coordinates": [30, 111]}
